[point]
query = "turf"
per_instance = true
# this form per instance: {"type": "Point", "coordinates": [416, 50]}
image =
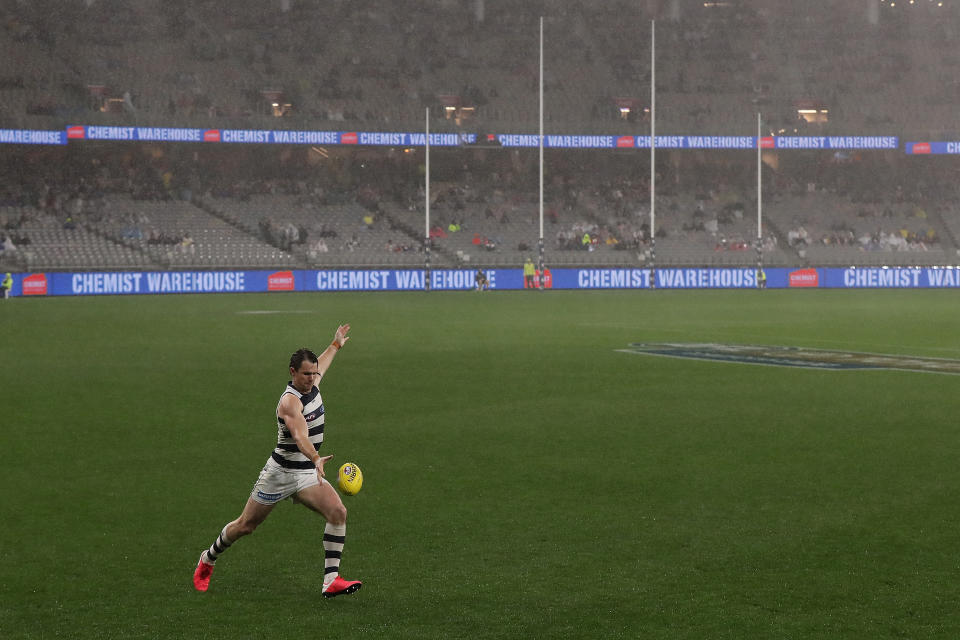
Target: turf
{"type": "Point", "coordinates": [523, 478]}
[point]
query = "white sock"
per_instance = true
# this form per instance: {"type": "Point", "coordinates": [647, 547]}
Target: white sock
{"type": "Point", "coordinates": [333, 538]}
{"type": "Point", "coordinates": [218, 547]}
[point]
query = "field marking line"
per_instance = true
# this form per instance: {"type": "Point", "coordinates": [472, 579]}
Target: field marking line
{"type": "Point", "coordinates": [270, 312]}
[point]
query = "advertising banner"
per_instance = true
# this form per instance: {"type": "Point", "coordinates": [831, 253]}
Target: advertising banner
{"type": "Point", "coordinates": [835, 142]}
{"type": "Point", "coordinates": [30, 136]}
{"type": "Point", "coordinates": [892, 278]}
{"type": "Point", "coordinates": [803, 278]}
{"type": "Point", "coordinates": [145, 134]}
{"type": "Point", "coordinates": [935, 148]}
{"type": "Point", "coordinates": [419, 139]}
{"type": "Point", "coordinates": [334, 280]}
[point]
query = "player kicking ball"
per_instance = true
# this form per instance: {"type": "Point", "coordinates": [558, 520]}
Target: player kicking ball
{"type": "Point", "coordinates": [295, 470]}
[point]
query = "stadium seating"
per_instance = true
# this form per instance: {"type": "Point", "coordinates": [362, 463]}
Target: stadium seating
{"type": "Point", "coordinates": [194, 63]}
{"type": "Point", "coordinates": [50, 245]}
{"type": "Point", "coordinates": [839, 232]}
{"type": "Point", "coordinates": [346, 239]}
{"type": "Point", "coordinates": [178, 234]}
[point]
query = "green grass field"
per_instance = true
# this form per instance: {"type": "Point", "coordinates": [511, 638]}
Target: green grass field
{"type": "Point", "coordinates": [523, 479]}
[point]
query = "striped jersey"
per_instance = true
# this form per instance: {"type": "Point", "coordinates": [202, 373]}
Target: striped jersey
{"type": "Point", "coordinates": [287, 455]}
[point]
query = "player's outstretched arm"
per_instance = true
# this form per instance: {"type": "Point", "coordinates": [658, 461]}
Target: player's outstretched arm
{"type": "Point", "coordinates": [325, 359]}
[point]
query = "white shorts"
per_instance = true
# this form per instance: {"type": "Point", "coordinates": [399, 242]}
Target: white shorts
{"type": "Point", "coordinates": [276, 483]}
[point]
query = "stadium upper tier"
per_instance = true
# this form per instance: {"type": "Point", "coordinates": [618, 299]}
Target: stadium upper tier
{"type": "Point", "coordinates": [863, 66]}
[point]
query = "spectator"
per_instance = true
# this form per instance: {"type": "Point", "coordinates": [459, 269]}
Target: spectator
{"type": "Point", "coordinates": [480, 281]}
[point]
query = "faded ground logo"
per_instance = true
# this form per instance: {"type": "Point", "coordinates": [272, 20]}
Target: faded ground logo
{"type": "Point", "coordinates": [779, 356]}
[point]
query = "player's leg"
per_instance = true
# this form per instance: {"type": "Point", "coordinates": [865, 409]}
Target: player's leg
{"type": "Point", "coordinates": [271, 487]}
{"type": "Point", "coordinates": [323, 499]}
{"type": "Point", "coordinates": [253, 514]}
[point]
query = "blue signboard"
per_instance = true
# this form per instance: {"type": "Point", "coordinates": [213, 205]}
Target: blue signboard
{"type": "Point", "coordinates": [892, 278]}
{"type": "Point", "coordinates": [927, 148]}
{"type": "Point", "coordinates": [30, 136]}
{"type": "Point", "coordinates": [836, 142]}
{"type": "Point", "coordinates": [363, 138]}
{"type": "Point", "coordinates": [324, 281]}
{"type": "Point", "coordinates": [518, 140]}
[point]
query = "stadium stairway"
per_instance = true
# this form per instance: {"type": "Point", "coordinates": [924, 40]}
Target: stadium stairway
{"type": "Point", "coordinates": [249, 230]}
{"type": "Point", "coordinates": [447, 256]}
{"type": "Point", "coordinates": [782, 241]}
{"type": "Point", "coordinates": [948, 234]}
{"type": "Point", "coordinates": [13, 261]}
{"type": "Point", "coordinates": [149, 261]}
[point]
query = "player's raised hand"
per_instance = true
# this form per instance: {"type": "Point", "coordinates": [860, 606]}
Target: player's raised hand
{"type": "Point", "coordinates": [340, 337]}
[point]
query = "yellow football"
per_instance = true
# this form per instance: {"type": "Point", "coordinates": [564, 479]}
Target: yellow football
{"type": "Point", "coordinates": [350, 479]}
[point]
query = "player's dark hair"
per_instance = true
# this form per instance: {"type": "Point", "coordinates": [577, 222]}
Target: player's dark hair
{"type": "Point", "coordinates": [299, 356]}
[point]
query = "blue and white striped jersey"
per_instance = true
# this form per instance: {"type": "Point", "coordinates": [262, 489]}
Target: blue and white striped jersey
{"type": "Point", "coordinates": [287, 455]}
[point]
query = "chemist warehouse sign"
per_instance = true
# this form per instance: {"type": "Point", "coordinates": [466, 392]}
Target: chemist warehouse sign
{"type": "Point", "coordinates": [179, 282]}
{"type": "Point", "coordinates": [419, 139]}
